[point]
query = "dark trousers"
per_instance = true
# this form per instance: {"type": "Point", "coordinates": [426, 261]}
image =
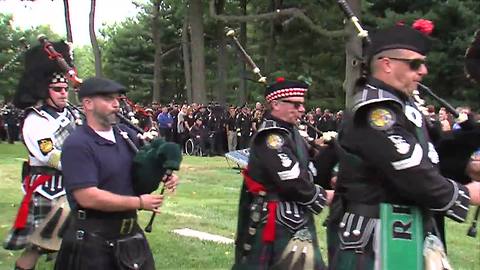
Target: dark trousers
{"type": "Point", "coordinates": [12, 133]}
{"type": "Point", "coordinates": [166, 133]}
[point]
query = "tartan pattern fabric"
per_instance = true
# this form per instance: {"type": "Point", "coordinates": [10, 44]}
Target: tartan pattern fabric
{"type": "Point", "coordinates": [38, 210]}
{"type": "Point", "coordinates": [267, 256]}
{"type": "Point", "coordinates": [62, 132]}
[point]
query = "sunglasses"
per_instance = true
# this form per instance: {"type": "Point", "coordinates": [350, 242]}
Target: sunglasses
{"type": "Point", "coordinates": [59, 89]}
{"type": "Point", "coordinates": [414, 64]}
{"type": "Point", "coordinates": [296, 104]}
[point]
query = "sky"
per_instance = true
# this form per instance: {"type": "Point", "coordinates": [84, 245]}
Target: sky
{"type": "Point", "coordinates": [27, 14]}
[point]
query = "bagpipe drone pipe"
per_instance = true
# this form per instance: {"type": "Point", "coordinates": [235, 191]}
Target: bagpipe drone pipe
{"type": "Point", "coordinates": [154, 159]}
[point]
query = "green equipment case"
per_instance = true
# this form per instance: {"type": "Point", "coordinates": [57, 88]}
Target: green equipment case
{"type": "Point", "coordinates": [401, 237]}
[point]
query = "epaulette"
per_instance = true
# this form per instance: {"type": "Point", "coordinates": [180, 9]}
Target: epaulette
{"type": "Point", "coordinates": [37, 111]}
{"type": "Point", "coordinates": [370, 95]}
{"type": "Point", "coordinates": [269, 125]}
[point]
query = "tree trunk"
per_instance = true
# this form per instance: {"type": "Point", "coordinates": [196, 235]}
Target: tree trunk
{"type": "Point", "coordinates": [187, 68]}
{"type": "Point", "coordinates": [68, 25]}
{"type": "Point", "coordinates": [353, 51]}
{"type": "Point", "coordinates": [198, 51]}
{"type": "Point", "coordinates": [157, 65]}
{"type": "Point", "coordinates": [242, 65]}
{"type": "Point", "coordinates": [221, 57]}
{"type": "Point", "coordinates": [272, 42]}
{"type": "Point", "coordinates": [93, 40]}
{"type": "Point", "coordinates": [72, 97]}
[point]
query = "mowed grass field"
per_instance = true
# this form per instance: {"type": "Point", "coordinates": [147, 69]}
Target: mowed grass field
{"type": "Point", "coordinates": [206, 200]}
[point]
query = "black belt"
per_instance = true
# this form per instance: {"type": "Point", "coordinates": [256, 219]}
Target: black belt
{"type": "Point", "coordinates": [108, 225]}
{"type": "Point", "coordinates": [97, 214]}
{"type": "Point", "coordinates": [366, 210]}
{"type": "Point", "coordinates": [44, 170]}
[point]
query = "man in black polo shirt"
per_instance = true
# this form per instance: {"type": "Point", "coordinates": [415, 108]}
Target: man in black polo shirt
{"type": "Point", "coordinates": [97, 163]}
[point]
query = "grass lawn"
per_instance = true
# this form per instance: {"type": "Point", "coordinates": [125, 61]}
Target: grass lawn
{"type": "Point", "coordinates": [206, 200]}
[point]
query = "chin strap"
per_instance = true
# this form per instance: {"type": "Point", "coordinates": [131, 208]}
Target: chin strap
{"type": "Point", "coordinates": [55, 106]}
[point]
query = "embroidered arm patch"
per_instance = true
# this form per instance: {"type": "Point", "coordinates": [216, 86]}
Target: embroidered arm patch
{"type": "Point", "coordinates": [45, 145]}
{"type": "Point", "coordinates": [381, 118]}
{"type": "Point", "coordinates": [275, 141]}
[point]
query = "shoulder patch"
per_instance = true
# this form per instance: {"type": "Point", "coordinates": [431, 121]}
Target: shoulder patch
{"type": "Point", "coordinates": [46, 145]}
{"type": "Point", "coordinates": [381, 118]}
{"type": "Point", "coordinates": [274, 141]}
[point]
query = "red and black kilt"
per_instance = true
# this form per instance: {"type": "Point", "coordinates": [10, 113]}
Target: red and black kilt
{"type": "Point", "coordinates": [39, 208]}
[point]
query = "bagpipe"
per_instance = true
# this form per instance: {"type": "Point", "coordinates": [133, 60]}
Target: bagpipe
{"type": "Point", "coordinates": [153, 160]}
{"type": "Point", "coordinates": [455, 148]}
{"type": "Point", "coordinates": [139, 116]}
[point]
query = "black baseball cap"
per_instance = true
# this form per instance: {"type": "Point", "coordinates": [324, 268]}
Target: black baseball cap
{"type": "Point", "coordinates": [99, 86]}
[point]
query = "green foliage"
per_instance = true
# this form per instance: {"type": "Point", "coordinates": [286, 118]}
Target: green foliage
{"type": "Point", "coordinates": [11, 50]}
{"type": "Point", "coordinates": [84, 61]}
{"type": "Point", "coordinates": [455, 22]}
{"type": "Point", "coordinates": [129, 53]}
{"type": "Point", "coordinates": [10, 53]}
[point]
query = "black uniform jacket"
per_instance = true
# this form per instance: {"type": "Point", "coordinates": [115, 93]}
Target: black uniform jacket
{"type": "Point", "coordinates": [386, 155]}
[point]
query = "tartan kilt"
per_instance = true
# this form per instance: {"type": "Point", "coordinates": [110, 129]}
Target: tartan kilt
{"type": "Point", "coordinates": [266, 256]}
{"type": "Point", "coordinates": [39, 207]}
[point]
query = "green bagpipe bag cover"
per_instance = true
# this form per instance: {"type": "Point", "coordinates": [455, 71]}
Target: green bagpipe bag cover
{"type": "Point", "coordinates": [151, 162]}
{"type": "Point", "coordinates": [401, 237]}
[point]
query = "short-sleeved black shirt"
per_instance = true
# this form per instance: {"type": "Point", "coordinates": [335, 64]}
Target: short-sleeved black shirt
{"type": "Point", "coordinates": [89, 160]}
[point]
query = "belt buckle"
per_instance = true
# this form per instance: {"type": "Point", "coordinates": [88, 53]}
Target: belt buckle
{"type": "Point", "coordinates": [127, 225]}
{"type": "Point", "coordinates": [81, 214]}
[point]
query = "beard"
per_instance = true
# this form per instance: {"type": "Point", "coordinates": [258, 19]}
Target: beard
{"type": "Point", "coordinates": [106, 119]}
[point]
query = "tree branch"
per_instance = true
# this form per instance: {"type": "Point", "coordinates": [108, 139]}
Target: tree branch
{"type": "Point", "coordinates": [169, 51]}
{"type": "Point", "coordinates": [279, 13]}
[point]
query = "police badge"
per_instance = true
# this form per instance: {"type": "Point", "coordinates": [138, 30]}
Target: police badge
{"type": "Point", "coordinates": [46, 145]}
{"type": "Point", "coordinates": [381, 118]}
{"type": "Point", "coordinates": [274, 141]}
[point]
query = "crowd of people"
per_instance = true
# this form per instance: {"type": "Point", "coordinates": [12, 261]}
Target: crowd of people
{"type": "Point", "coordinates": [218, 129]}
{"type": "Point", "coordinates": [10, 119]}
